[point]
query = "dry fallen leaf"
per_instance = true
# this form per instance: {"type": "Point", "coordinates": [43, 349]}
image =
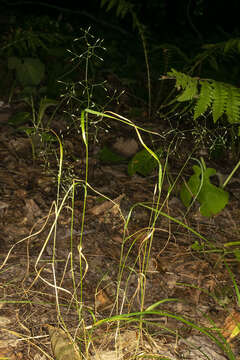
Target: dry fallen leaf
{"type": "Point", "coordinates": [231, 326]}
{"type": "Point", "coordinates": [106, 205]}
{"type": "Point", "coordinates": [62, 346]}
{"type": "Point", "coordinates": [102, 300]}
{"type": "Point", "coordinates": [106, 355]}
{"type": "Point", "coordinates": [7, 353]}
{"type": "Point", "coordinates": [126, 146]}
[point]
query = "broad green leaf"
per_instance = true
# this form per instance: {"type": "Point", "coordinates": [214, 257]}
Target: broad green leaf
{"type": "Point", "coordinates": [143, 162]}
{"type": "Point", "coordinates": [191, 188]}
{"type": "Point", "coordinates": [30, 72]}
{"type": "Point", "coordinates": [212, 198]}
{"type": "Point", "coordinates": [107, 156]}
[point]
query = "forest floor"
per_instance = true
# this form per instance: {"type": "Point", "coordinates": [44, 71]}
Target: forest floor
{"type": "Point", "coordinates": [43, 260]}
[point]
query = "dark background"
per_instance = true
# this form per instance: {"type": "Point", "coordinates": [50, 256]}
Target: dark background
{"type": "Point", "coordinates": [165, 19]}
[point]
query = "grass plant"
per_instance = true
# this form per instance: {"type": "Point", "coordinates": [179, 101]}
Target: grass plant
{"type": "Point", "coordinates": [146, 318]}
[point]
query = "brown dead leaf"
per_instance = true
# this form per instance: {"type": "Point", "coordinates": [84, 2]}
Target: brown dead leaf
{"type": "Point", "coordinates": [3, 205]}
{"type": "Point", "coordinates": [3, 208]}
{"type": "Point", "coordinates": [106, 355]}
{"type": "Point", "coordinates": [106, 205]}
{"type": "Point", "coordinates": [117, 237]}
{"type": "Point", "coordinates": [62, 346]}
{"type": "Point", "coordinates": [128, 341]}
{"type": "Point", "coordinates": [102, 300]}
{"type": "Point", "coordinates": [126, 147]}
{"type": "Point", "coordinates": [7, 179]}
{"type": "Point", "coordinates": [20, 193]}
{"type": "Point", "coordinates": [231, 326]}
{"type": "Point", "coordinates": [6, 353]}
{"type": "Point", "coordinates": [4, 116]}
{"type": "Point", "coordinates": [32, 208]}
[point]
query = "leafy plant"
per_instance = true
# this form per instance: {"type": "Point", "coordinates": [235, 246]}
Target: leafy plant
{"type": "Point", "coordinates": [122, 6]}
{"type": "Point", "coordinates": [35, 35]}
{"type": "Point", "coordinates": [199, 187]}
{"type": "Point", "coordinates": [33, 50]}
{"type": "Point", "coordinates": [215, 59]}
{"type": "Point", "coordinates": [207, 94]}
{"type": "Point", "coordinates": [107, 156]}
{"type": "Point", "coordinates": [38, 133]}
{"type": "Point", "coordinates": [29, 71]}
{"type": "Point", "coordinates": [143, 162]}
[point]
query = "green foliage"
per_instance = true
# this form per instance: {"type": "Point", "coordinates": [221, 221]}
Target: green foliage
{"type": "Point", "coordinates": [143, 162]}
{"type": "Point", "coordinates": [32, 37]}
{"type": "Point", "coordinates": [34, 51]}
{"type": "Point", "coordinates": [222, 98]}
{"type": "Point", "coordinates": [31, 122]}
{"type": "Point", "coordinates": [122, 6]}
{"type": "Point", "coordinates": [29, 71]}
{"type": "Point", "coordinates": [19, 119]}
{"type": "Point", "coordinates": [107, 156]}
{"type": "Point", "coordinates": [205, 99]}
{"type": "Point", "coordinates": [212, 198]}
{"type": "Point", "coordinates": [35, 116]}
{"type": "Point", "coordinates": [215, 60]}
{"type": "Point", "coordinates": [197, 246]}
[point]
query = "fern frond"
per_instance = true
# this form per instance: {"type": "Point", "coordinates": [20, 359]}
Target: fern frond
{"type": "Point", "coordinates": [186, 83]}
{"type": "Point", "coordinates": [182, 79]}
{"type": "Point", "coordinates": [233, 105]}
{"type": "Point", "coordinates": [103, 2]}
{"type": "Point", "coordinates": [190, 92]}
{"type": "Point", "coordinates": [220, 96]}
{"type": "Point", "coordinates": [231, 45]}
{"type": "Point", "coordinates": [111, 4]}
{"type": "Point", "coordinates": [122, 6]}
{"type": "Point", "coordinates": [174, 53]}
{"type": "Point", "coordinates": [205, 98]}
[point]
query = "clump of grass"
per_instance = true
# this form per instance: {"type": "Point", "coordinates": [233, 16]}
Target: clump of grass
{"type": "Point", "coordinates": [146, 321]}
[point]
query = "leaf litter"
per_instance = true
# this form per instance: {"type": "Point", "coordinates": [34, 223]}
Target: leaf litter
{"type": "Point", "coordinates": [198, 279]}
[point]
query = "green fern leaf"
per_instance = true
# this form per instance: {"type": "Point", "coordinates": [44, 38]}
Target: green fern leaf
{"type": "Point", "coordinates": [111, 4]}
{"type": "Point", "coordinates": [173, 53]}
{"type": "Point", "coordinates": [122, 8]}
{"type": "Point", "coordinates": [182, 79]}
{"type": "Point", "coordinates": [186, 83]}
{"type": "Point", "coordinates": [190, 91]}
{"type": "Point", "coordinates": [205, 99]}
{"type": "Point", "coordinates": [220, 96]}
{"type": "Point", "coordinates": [213, 63]}
{"type": "Point", "coordinates": [231, 45]}
{"type": "Point", "coordinates": [104, 2]}
{"type": "Point", "coordinates": [233, 105]}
